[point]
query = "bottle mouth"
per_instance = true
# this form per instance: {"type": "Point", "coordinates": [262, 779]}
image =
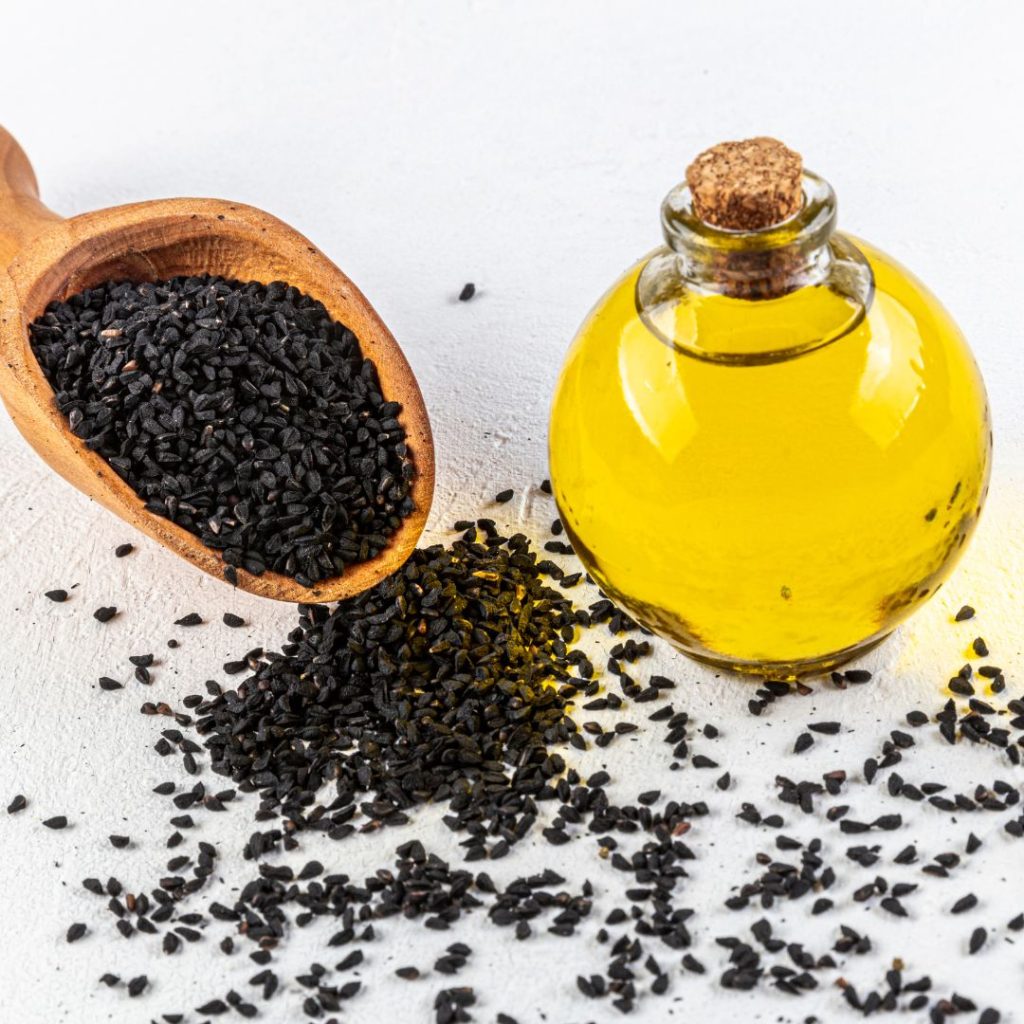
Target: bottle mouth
{"type": "Point", "coordinates": [807, 229]}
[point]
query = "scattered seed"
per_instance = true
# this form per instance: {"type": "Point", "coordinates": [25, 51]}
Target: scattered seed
{"type": "Point", "coordinates": [965, 903]}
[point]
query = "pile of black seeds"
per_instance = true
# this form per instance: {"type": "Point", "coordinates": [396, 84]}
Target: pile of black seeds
{"type": "Point", "coordinates": [460, 681]}
{"type": "Point", "coordinates": [448, 681]}
{"type": "Point", "coordinates": [242, 412]}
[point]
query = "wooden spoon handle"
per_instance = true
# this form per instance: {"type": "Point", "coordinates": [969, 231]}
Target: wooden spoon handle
{"type": "Point", "coordinates": [22, 215]}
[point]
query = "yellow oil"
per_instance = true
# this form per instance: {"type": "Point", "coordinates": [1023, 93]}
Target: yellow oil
{"type": "Point", "coordinates": [773, 485]}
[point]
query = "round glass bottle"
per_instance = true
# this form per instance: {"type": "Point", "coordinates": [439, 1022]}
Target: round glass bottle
{"type": "Point", "coordinates": [769, 445]}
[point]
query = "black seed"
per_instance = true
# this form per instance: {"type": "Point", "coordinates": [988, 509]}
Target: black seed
{"type": "Point", "coordinates": [979, 647]}
{"type": "Point", "coordinates": [857, 675]}
{"type": "Point", "coordinates": [893, 905]}
{"type": "Point", "coordinates": [75, 932]}
{"type": "Point", "coordinates": [977, 940]}
{"type": "Point", "coordinates": [137, 985]}
{"type": "Point", "coordinates": [968, 902]}
{"type": "Point", "coordinates": [104, 614]}
{"type": "Point", "coordinates": [56, 822]}
{"type": "Point", "coordinates": [192, 619]}
{"type": "Point", "coordinates": [119, 842]}
{"type": "Point", "coordinates": [106, 683]}
{"type": "Point", "coordinates": [888, 822]}
{"type": "Point", "coordinates": [825, 728]}
{"type": "Point", "coordinates": [468, 291]}
{"type": "Point", "coordinates": [804, 741]}
{"type": "Point", "coordinates": [19, 803]}
{"type": "Point", "coordinates": [123, 549]}
{"type": "Point", "coordinates": [966, 612]}
{"type": "Point", "coordinates": [57, 595]}
{"type": "Point", "coordinates": [234, 621]}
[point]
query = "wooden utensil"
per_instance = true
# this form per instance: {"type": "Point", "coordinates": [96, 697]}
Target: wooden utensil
{"type": "Point", "coordinates": [48, 257]}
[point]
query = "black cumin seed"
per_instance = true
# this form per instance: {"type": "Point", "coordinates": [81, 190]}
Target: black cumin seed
{"type": "Point", "coordinates": [977, 940]}
{"type": "Point", "coordinates": [825, 728]}
{"type": "Point", "coordinates": [123, 549]}
{"type": "Point", "coordinates": [468, 291]}
{"type": "Point", "coordinates": [234, 621]}
{"type": "Point", "coordinates": [58, 821]}
{"type": "Point", "coordinates": [979, 647]}
{"type": "Point", "coordinates": [104, 614]}
{"type": "Point", "coordinates": [504, 496]}
{"type": "Point", "coordinates": [119, 842]}
{"type": "Point", "coordinates": [57, 595]}
{"type": "Point", "coordinates": [965, 903]}
{"type": "Point", "coordinates": [893, 906]}
{"type": "Point", "coordinates": [75, 932]}
{"type": "Point", "coordinates": [857, 675]}
{"type": "Point", "coordinates": [106, 683]}
{"type": "Point", "coordinates": [192, 619]}
{"type": "Point", "coordinates": [137, 985]}
{"type": "Point", "coordinates": [19, 803]}
{"type": "Point", "coordinates": [803, 742]}
{"type": "Point", "coordinates": [966, 612]}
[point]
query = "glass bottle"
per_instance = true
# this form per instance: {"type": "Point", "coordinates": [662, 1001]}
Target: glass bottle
{"type": "Point", "coordinates": [769, 445]}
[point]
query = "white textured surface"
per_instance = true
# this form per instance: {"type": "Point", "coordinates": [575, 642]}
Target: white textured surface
{"type": "Point", "coordinates": [525, 147]}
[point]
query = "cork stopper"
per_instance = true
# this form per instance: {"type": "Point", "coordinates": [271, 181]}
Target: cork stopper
{"type": "Point", "coordinates": [746, 186]}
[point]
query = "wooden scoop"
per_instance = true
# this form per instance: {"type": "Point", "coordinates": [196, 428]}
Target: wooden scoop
{"type": "Point", "coordinates": [47, 258]}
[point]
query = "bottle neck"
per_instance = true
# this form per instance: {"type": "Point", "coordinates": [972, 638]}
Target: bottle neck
{"type": "Point", "coordinates": [753, 264]}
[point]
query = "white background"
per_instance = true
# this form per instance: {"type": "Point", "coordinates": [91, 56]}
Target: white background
{"type": "Point", "coordinates": [525, 147]}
